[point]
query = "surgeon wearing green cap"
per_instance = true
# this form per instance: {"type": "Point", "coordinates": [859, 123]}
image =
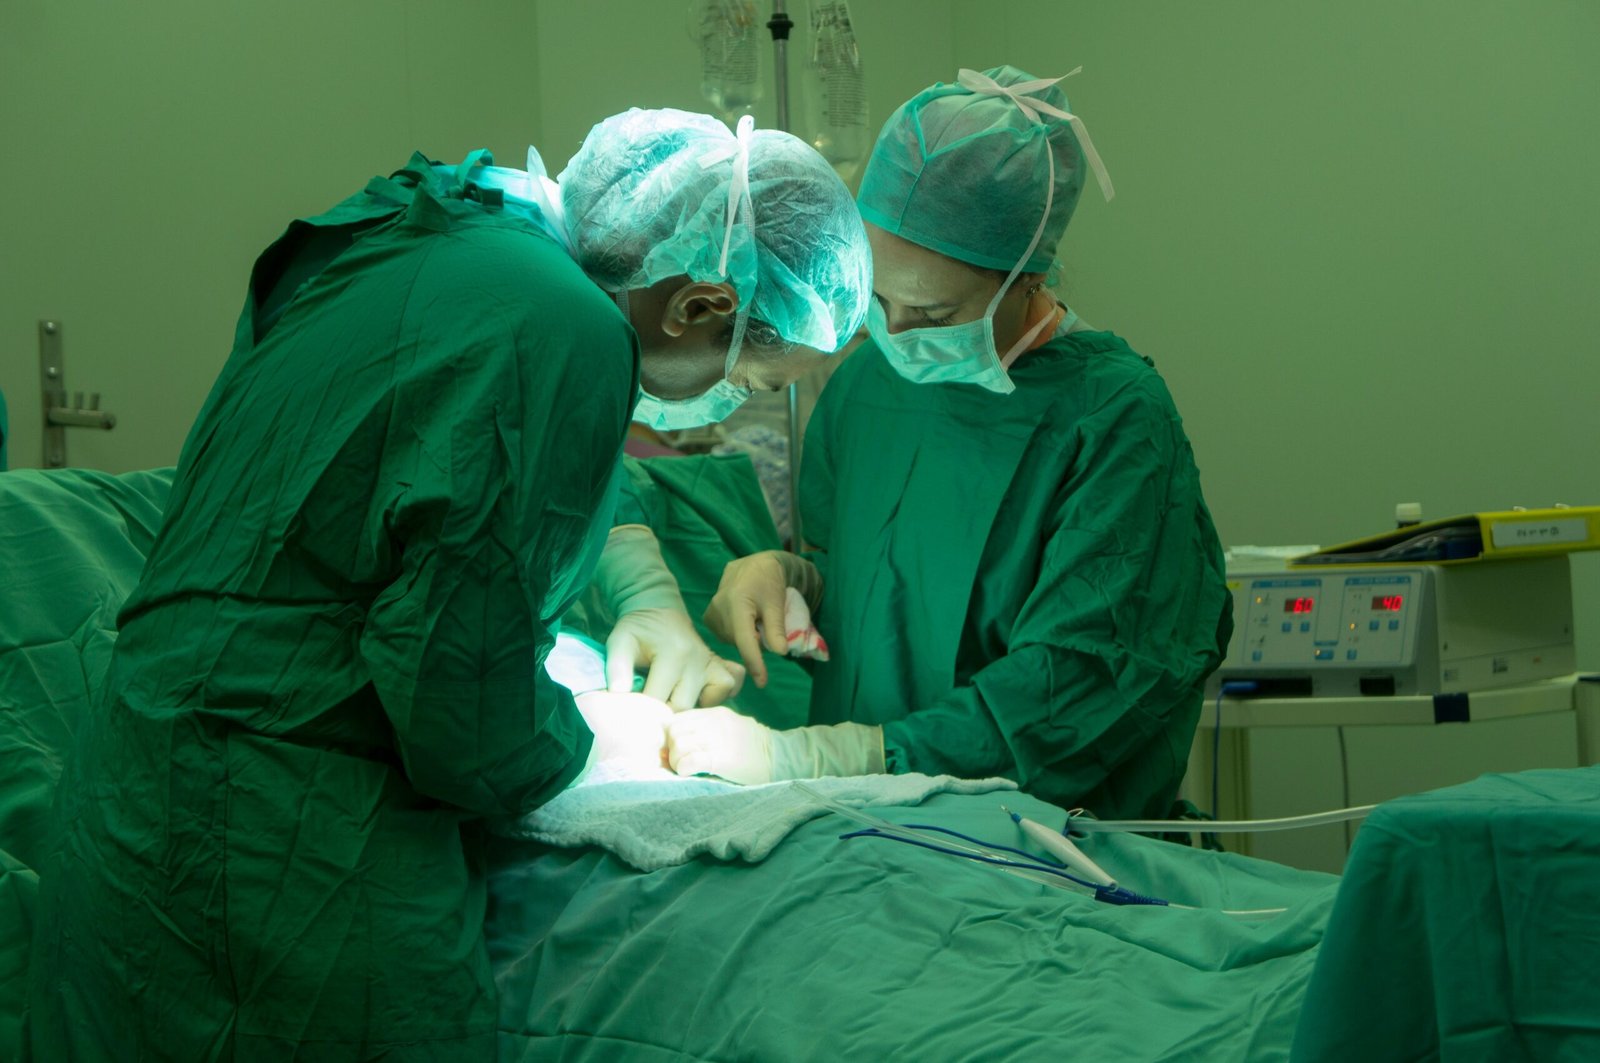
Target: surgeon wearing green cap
{"type": "Point", "coordinates": [1015, 571]}
{"type": "Point", "coordinates": [331, 672]}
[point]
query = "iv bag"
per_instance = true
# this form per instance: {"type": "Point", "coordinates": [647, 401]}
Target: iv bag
{"type": "Point", "coordinates": [730, 57]}
{"type": "Point", "coordinates": [834, 98]}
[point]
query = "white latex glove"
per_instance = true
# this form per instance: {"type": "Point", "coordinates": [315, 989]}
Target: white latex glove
{"type": "Point", "coordinates": [653, 628]}
{"type": "Point", "coordinates": [752, 597]}
{"type": "Point", "coordinates": [732, 746]}
{"type": "Point", "coordinates": [627, 727]}
{"type": "Point", "coordinates": [683, 670]}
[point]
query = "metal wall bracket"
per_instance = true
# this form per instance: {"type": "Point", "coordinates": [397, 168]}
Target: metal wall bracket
{"type": "Point", "coordinates": [58, 416]}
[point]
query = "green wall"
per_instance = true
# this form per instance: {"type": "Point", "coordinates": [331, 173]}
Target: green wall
{"type": "Point", "coordinates": [154, 149]}
{"type": "Point", "coordinates": [1359, 239]}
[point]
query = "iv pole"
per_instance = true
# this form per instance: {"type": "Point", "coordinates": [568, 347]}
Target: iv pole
{"type": "Point", "coordinates": [780, 24]}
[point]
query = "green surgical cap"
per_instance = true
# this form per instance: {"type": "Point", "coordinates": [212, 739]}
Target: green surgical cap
{"type": "Point", "coordinates": [963, 173]}
{"type": "Point", "coordinates": [646, 198]}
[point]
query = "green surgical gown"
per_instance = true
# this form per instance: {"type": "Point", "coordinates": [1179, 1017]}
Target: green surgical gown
{"type": "Point", "coordinates": [1028, 584]}
{"type": "Point", "coordinates": [331, 670]}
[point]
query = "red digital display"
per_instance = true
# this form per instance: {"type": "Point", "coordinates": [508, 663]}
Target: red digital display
{"type": "Point", "coordinates": [1298, 605]}
{"type": "Point", "coordinates": [1387, 603]}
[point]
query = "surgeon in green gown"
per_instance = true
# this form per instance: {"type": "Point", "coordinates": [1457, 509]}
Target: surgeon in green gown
{"type": "Point", "coordinates": [331, 673]}
{"type": "Point", "coordinates": [1015, 570]}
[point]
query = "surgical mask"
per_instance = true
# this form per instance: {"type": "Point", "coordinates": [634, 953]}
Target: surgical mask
{"type": "Point", "coordinates": [956, 354]}
{"type": "Point", "coordinates": [674, 415]}
{"type": "Point", "coordinates": [710, 407]}
{"type": "Point", "coordinates": [966, 353]}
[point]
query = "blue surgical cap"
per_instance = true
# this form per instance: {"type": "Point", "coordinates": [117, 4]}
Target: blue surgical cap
{"type": "Point", "coordinates": [647, 196]}
{"type": "Point", "coordinates": [964, 172]}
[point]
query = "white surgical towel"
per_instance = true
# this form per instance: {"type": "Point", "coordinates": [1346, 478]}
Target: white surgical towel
{"type": "Point", "coordinates": [651, 818]}
{"type": "Point", "coordinates": [804, 638]}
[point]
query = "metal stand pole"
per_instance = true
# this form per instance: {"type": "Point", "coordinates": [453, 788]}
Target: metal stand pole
{"type": "Point", "coordinates": [780, 24]}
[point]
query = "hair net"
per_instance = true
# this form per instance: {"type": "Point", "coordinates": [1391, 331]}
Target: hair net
{"type": "Point", "coordinates": [962, 169]}
{"type": "Point", "coordinates": [647, 196]}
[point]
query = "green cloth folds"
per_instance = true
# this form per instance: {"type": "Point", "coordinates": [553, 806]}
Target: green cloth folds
{"type": "Point", "coordinates": [858, 950]}
{"type": "Point", "coordinates": [1027, 585]}
{"type": "Point", "coordinates": [1466, 928]}
{"type": "Point", "coordinates": [72, 542]}
{"type": "Point", "coordinates": [330, 671]}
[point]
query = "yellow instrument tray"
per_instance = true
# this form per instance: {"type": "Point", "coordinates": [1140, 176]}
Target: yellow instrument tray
{"type": "Point", "coordinates": [1471, 537]}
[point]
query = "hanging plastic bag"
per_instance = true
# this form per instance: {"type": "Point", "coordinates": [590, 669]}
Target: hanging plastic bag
{"type": "Point", "coordinates": [727, 32]}
{"type": "Point", "coordinates": [833, 100]}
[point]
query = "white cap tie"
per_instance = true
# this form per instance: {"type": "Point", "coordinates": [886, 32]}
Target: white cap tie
{"type": "Point", "coordinates": [1021, 95]}
{"type": "Point", "coordinates": [738, 186]}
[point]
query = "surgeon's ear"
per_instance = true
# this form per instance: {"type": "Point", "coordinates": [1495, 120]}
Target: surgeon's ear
{"type": "Point", "coordinates": [695, 303]}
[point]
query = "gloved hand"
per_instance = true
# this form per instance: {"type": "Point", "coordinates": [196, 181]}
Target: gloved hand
{"type": "Point", "coordinates": [628, 727]}
{"type": "Point", "coordinates": [801, 635]}
{"type": "Point", "coordinates": [748, 608]}
{"type": "Point", "coordinates": [683, 670]}
{"type": "Point", "coordinates": [732, 746]}
{"type": "Point", "coordinates": [653, 627]}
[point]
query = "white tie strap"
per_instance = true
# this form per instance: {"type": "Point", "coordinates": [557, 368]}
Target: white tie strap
{"type": "Point", "coordinates": [1021, 94]}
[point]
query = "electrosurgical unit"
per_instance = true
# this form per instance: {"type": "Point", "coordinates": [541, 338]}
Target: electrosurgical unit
{"type": "Point", "coordinates": [1383, 630]}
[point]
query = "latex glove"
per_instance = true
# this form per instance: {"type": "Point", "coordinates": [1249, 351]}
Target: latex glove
{"type": "Point", "coordinates": [653, 628]}
{"type": "Point", "coordinates": [748, 608]}
{"type": "Point", "coordinates": [732, 746]}
{"type": "Point", "coordinates": [627, 727]}
{"type": "Point", "coordinates": [684, 672]}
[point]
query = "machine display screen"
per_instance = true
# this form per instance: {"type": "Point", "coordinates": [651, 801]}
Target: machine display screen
{"type": "Point", "coordinates": [1300, 605]}
{"type": "Point", "coordinates": [1387, 603]}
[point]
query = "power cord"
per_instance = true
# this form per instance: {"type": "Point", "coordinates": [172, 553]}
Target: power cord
{"type": "Point", "coordinates": [1231, 689]}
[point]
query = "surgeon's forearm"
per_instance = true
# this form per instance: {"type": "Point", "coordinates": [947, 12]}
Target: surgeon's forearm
{"type": "Point", "coordinates": [437, 734]}
{"type": "Point", "coordinates": [631, 573]}
{"type": "Point", "coordinates": [803, 576]}
{"type": "Point", "coordinates": [952, 736]}
{"type": "Point", "coordinates": [840, 749]}
{"type": "Point", "coordinates": [589, 762]}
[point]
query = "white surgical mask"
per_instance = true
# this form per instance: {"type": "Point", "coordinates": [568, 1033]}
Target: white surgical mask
{"type": "Point", "coordinates": [723, 397]}
{"type": "Point", "coordinates": [709, 407]}
{"type": "Point", "coordinates": [959, 354]}
{"type": "Point", "coordinates": [673, 415]}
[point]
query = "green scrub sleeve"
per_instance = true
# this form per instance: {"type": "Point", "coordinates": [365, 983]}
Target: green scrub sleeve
{"type": "Point", "coordinates": [638, 498]}
{"type": "Point", "coordinates": [499, 528]}
{"type": "Point", "coordinates": [1105, 648]}
{"type": "Point", "coordinates": [817, 471]}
